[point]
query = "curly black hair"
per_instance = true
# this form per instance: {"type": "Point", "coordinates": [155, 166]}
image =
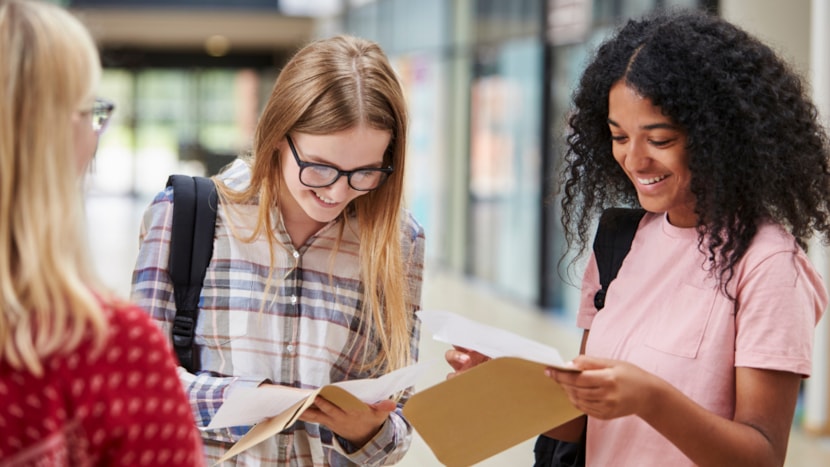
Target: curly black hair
{"type": "Point", "coordinates": [756, 147]}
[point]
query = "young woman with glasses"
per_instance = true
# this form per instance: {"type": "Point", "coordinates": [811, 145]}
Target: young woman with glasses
{"type": "Point", "coordinates": [316, 269]}
{"type": "Point", "coordinates": [85, 378]}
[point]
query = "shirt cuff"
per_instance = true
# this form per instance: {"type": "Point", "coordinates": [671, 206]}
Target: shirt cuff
{"type": "Point", "coordinates": [378, 447]}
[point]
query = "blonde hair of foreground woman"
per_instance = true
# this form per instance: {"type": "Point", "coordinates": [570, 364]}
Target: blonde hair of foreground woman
{"type": "Point", "coordinates": [49, 68]}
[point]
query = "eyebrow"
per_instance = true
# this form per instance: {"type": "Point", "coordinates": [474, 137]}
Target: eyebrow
{"type": "Point", "coordinates": [320, 160]}
{"type": "Point", "coordinates": [653, 126]}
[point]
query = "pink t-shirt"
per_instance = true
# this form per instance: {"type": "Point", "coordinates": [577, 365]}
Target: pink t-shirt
{"type": "Point", "coordinates": [665, 314]}
{"type": "Point", "coordinates": [121, 406]}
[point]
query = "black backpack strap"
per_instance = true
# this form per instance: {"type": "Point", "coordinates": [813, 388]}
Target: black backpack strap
{"type": "Point", "coordinates": [615, 233]}
{"type": "Point", "coordinates": [191, 247]}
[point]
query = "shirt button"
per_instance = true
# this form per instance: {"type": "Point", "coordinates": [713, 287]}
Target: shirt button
{"type": "Point", "coordinates": [296, 254]}
{"type": "Point", "coordinates": [293, 299]}
{"type": "Point", "coordinates": [289, 348]}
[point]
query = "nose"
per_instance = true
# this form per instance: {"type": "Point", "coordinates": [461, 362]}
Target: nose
{"type": "Point", "coordinates": [636, 156]}
{"type": "Point", "coordinates": [340, 189]}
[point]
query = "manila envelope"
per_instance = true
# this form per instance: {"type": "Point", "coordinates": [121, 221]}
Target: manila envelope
{"type": "Point", "coordinates": [271, 426]}
{"type": "Point", "coordinates": [487, 409]}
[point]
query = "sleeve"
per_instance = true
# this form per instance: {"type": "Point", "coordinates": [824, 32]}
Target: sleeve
{"type": "Point", "coordinates": [415, 274]}
{"type": "Point", "coordinates": [152, 290]}
{"type": "Point", "coordinates": [392, 441]}
{"type": "Point", "coordinates": [590, 286]}
{"type": "Point", "coordinates": [779, 303]}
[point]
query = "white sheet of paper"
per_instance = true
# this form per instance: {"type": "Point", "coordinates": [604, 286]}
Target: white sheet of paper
{"type": "Point", "coordinates": [376, 389]}
{"type": "Point", "coordinates": [247, 406]}
{"type": "Point", "coordinates": [454, 329]}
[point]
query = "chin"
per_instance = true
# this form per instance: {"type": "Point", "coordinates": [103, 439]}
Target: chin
{"type": "Point", "coordinates": [323, 218]}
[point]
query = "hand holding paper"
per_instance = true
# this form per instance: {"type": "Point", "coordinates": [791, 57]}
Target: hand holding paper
{"type": "Point", "coordinates": [274, 408]}
{"type": "Point", "coordinates": [461, 359]}
{"type": "Point", "coordinates": [494, 405]}
{"type": "Point", "coordinates": [251, 405]}
{"type": "Point", "coordinates": [356, 425]}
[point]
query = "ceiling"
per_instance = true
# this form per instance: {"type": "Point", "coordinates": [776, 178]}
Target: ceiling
{"type": "Point", "coordinates": [179, 29]}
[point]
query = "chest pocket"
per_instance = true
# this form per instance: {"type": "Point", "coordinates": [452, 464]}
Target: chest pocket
{"type": "Point", "coordinates": [226, 300]}
{"type": "Point", "coordinates": [679, 327]}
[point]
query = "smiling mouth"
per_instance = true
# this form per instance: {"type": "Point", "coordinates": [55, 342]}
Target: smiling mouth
{"type": "Point", "coordinates": [653, 180]}
{"type": "Point", "coordinates": [324, 199]}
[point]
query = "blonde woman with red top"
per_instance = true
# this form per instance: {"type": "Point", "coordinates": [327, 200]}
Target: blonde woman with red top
{"type": "Point", "coordinates": [85, 379]}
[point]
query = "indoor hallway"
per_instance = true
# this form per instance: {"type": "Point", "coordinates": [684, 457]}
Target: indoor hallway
{"type": "Point", "coordinates": [113, 229]}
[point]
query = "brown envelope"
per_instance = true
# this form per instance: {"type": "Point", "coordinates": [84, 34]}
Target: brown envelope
{"type": "Point", "coordinates": [490, 408]}
{"type": "Point", "coordinates": [271, 426]}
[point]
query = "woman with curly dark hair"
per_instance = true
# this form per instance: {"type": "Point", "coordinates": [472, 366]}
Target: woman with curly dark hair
{"type": "Point", "coordinates": [707, 331]}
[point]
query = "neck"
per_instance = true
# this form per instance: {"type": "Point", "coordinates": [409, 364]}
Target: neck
{"type": "Point", "coordinates": [297, 223]}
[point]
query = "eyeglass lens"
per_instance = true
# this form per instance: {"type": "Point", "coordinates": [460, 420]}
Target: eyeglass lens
{"type": "Point", "coordinates": [317, 175]}
{"type": "Point", "coordinates": [321, 175]}
{"type": "Point", "coordinates": [101, 113]}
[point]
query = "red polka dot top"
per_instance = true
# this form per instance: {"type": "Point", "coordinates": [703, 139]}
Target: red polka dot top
{"type": "Point", "coordinates": [123, 405]}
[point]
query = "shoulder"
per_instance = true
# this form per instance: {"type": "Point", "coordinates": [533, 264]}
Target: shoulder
{"type": "Point", "coordinates": [133, 345]}
{"type": "Point", "coordinates": [775, 255]}
{"type": "Point", "coordinates": [160, 209]}
{"type": "Point", "coordinates": [133, 333]}
{"type": "Point", "coordinates": [410, 227]}
{"type": "Point", "coordinates": [771, 239]}
{"type": "Point", "coordinates": [236, 176]}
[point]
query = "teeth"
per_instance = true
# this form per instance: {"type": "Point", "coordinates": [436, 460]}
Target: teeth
{"type": "Point", "coordinates": [324, 199]}
{"type": "Point", "coordinates": [651, 181]}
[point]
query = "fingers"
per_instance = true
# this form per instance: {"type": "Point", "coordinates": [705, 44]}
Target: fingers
{"type": "Point", "coordinates": [321, 411]}
{"type": "Point", "coordinates": [327, 407]}
{"type": "Point", "coordinates": [323, 408]}
{"type": "Point", "coordinates": [565, 377]}
{"type": "Point", "coordinates": [457, 359]}
{"type": "Point", "coordinates": [584, 363]}
{"type": "Point", "coordinates": [461, 360]}
{"type": "Point", "coordinates": [356, 426]}
{"type": "Point", "coordinates": [385, 406]}
{"type": "Point", "coordinates": [604, 388]}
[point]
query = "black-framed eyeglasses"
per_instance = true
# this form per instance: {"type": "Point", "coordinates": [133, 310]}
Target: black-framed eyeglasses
{"type": "Point", "coordinates": [322, 175]}
{"type": "Point", "coordinates": [101, 113]}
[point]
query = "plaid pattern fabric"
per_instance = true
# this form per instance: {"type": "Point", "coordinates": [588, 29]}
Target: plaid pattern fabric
{"type": "Point", "coordinates": [301, 332]}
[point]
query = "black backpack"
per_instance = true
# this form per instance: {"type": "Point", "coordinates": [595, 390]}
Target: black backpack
{"type": "Point", "coordinates": [615, 233]}
{"type": "Point", "coordinates": [191, 247]}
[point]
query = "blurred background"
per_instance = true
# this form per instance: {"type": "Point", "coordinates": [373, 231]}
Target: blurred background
{"type": "Point", "coordinates": [488, 84]}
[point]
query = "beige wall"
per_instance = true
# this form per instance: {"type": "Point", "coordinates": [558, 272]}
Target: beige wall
{"type": "Point", "coordinates": [784, 25]}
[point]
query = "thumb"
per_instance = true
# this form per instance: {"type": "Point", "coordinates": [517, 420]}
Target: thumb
{"type": "Point", "coordinates": [386, 405]}
{"type": "Point", "coordinates": [584, 362]}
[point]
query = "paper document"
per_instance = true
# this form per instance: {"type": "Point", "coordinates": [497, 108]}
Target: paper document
{"type": "Point", "coordinates": [494, 342]}
{"type": "Point", "coordinates": [275, 408]}
{"type": "Point", "coordinates": [494, 406]}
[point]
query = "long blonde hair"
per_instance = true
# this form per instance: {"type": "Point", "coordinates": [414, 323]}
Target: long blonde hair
{"type": "Point", "coordinates": [333, 85]}
{"type": "Point", "coordinates": [49, 66]}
